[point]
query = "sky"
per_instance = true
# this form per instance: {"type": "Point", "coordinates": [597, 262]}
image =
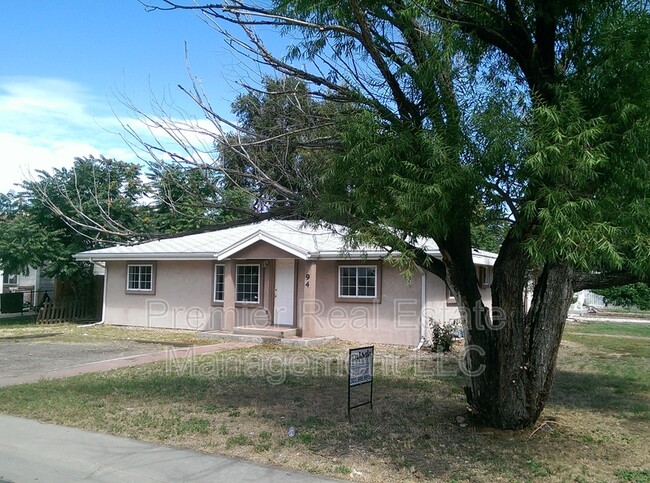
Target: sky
{"type": "Point", "coordinates": [66, 66]}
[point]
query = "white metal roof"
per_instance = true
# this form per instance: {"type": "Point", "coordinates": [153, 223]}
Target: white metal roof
{"type": "Point", "coordinates": [295, 237]}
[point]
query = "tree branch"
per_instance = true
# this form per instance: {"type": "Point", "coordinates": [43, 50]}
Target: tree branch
{"type": "Point", "coordinates": [592, 280]}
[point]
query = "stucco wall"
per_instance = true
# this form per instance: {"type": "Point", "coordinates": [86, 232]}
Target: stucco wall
{"type": "Point", "coordinates": [395, 320]}
{"type": "Point", "coordinates": [439, 308]}
{"type": "Point", "coordinates": [183, 299]}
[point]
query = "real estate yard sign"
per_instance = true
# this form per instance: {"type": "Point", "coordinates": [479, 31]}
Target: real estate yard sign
{"type": "Point", "coordinates": [360, 372]}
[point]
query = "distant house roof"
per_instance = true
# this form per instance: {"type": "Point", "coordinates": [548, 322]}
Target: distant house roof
{"type": "Point", "coordinates": [301, 240]}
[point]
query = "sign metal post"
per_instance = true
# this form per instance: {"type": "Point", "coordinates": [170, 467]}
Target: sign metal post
{"type": "Point", "coordinates": [360, 372]}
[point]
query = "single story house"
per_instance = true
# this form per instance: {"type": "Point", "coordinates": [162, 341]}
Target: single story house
{"type": "Point", "coordinates": [275, 274]}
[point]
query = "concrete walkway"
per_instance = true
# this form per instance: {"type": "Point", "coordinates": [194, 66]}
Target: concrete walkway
{"type": "Point", "coordinates": [621, 320]}
{"type": "Point", "coordinates": [33, 451]}
{"type": "Point", "coordinates": [107, 365]}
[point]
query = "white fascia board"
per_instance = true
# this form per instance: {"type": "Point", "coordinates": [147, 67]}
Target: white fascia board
{"type": "Point", "coordinates": [265, 237]}
{"type": "Point", "coordinates": [484, 259]}
{"type": "Point", "coordinates": [350, 255]}
{"type": "Point", "coordinates": [101, 257]}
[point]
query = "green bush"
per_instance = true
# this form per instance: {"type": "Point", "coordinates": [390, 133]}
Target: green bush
{"type": "Point", "coordinates": [442, 336]}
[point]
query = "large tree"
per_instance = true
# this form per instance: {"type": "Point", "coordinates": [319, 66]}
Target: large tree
{"type": "Point", "coordinates": [520, 110]}
{"type": "Point", "coordinates": [68, 210]}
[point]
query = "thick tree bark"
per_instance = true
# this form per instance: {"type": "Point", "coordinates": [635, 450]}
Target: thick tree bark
{"type": "Point", "coordinates": [511, 353]}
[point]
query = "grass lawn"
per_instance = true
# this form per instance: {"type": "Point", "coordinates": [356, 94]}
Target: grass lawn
{"type": "Point", "coordinates": [242, 403]}
{"type": "Point", "coordinates": [72, 333]}
{"type": "Point", "coordinates": [17, 321]}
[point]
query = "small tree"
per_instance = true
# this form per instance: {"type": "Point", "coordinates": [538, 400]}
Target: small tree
{"type": "Point", "coordinates": [633, 295]}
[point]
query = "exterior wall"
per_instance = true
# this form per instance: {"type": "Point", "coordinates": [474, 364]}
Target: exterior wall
{"type": "Point", "coordinates": [184, 292]}
{"type": "Point", "coordinates": [440, 308]}
{"type": "Point", "coordinates": [34, 281]}
{"type": "Point", "coordinates": [183, 298]}
{"type": "Point", "coordinates": [394, 320]}
{"type": "Point", "coordinates": [45, 283]}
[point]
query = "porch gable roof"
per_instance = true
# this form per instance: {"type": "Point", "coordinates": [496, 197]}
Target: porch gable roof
{"type": "Point", "coordinates": [261, 236]}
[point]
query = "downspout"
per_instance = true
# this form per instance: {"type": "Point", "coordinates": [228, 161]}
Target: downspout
{"type": "Point", "coordinates": [101, 322]}
{"type": "Point", "coordinates": [423, 306]}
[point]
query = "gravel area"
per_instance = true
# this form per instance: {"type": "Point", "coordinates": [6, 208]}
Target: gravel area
{"type": "Point", "coordinates": [27, 356]}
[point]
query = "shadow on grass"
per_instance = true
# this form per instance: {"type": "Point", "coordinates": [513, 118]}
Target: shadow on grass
{"type": "Point", "coordinates": [405, 427]}
{"type": "Point", "coordinates": [611, 393]}
{"type": "Point", "coordinates": [17, 320]}
{"type": "Point", "coordinates": [234, 399]}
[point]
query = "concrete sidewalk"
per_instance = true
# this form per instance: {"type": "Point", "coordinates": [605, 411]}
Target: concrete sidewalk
{"type": "Point", "coordinates": [33, 451]}
{"type": "Point", "coordinates": [128, 361]}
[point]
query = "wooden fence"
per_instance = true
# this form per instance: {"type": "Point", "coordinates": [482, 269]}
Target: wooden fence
{"type": "Point", "coordinates": [72, 311]}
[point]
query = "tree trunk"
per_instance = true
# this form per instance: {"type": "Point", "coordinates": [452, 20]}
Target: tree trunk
{"type": "Point", "coordinates": [511, 357]}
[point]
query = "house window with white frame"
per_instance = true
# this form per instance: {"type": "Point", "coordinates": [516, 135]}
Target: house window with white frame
{"type": "Point", "coordinates": [357, 281]}
{"type": "Point", "coordinates": [451, 298]}
{"type": "Point", "coordinates": [219, 271]}
{"type": "Point", "coordinates": [140, 278]}
{"type": "Point", "coordinates": [484, 276]}
{"type": "Point", "coordinates": [248, 284]}
{"type": "Point", "coordinates": [10, 278]}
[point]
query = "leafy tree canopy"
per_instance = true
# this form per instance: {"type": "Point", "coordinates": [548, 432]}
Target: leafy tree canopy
{"type": "Point", "coordinates": [636, 295]}
{"type": "Point", "coordinates": [530, 116]}
{"type": "Point", "coordinates": [59, 213]}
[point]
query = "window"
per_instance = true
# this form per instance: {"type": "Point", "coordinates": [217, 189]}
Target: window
{"type": "Point", "coordinates": [248, 283]}
{"type": "Point", "coordinates": [451, 299]}
{"type": "Point", "coordinates": [140, 278]}
{"type": "Point", "coordinates": [358, 281]}
{"type": "Point", "coordinates": [218, 283]}
{"type": "Point", "coordinates": [10, 278]}
{"type": "Point", "coordinates": [484, 276]}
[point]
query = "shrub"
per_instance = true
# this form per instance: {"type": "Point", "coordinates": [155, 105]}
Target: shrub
{"type": "Point", "coordinates": [442, 336]}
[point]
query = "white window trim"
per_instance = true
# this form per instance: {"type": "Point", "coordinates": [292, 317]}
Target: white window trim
{"type": "Point", "coordinates": [485, 276]}
{"type": "Point", "coordinates": [9, 277]}
{"type": "Point", "coordinates": [141, 290]}
{"type": "Point", "coordinates": [259, 284]}
{"type": "Point", "coordinates": [223, 281]}
{"type": "Point", "coordinates": [366, 297]}
{"type": "Point", "coordinates": [451, 299]}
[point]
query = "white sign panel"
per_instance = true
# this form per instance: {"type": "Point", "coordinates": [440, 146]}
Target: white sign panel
{"type": "Point", "coordinates": [361, 365]}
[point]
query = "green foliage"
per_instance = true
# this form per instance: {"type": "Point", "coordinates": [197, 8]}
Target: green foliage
{"type": "Point", "coordinates": [633, 295]}
{"type": "Point", "coordinates": [36, 227]}
{"type": "Point", "coordinates": [442, 336]}
{"type": "Point", "coordinates": [272, 162]}
{"type": "Point", "coordinates": [190, 199]}
{"type": "Point", "coordinates": [636, 476]}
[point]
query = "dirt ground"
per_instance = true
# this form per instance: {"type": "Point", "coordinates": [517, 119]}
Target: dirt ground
{"type": "Point", "coordinates": [21, 357]}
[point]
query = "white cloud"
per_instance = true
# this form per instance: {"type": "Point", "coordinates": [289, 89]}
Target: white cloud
{"type": "Point", "coordinates": [46, 123]}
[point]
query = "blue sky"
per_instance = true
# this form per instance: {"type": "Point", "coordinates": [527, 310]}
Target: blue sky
{"type": "Point", "coordinates": [64, 64]}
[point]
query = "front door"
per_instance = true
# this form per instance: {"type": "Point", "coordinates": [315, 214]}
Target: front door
{"type": "Point", "coordinates": [284, 291]}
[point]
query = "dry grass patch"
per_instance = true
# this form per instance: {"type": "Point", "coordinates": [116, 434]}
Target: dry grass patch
{"type": "Point", "coordinates": [71, 333]}
{"type": "Point", "coordinates": [242, 403]}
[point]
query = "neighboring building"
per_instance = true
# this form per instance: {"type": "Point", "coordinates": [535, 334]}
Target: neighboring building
{"type": "Point", "coordinates": [33, 283]}
{"type": "Point", "coordinates": [275, 274]}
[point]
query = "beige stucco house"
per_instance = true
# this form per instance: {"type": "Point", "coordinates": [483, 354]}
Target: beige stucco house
{"type": "Point", "coordinates": [276, 274]}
